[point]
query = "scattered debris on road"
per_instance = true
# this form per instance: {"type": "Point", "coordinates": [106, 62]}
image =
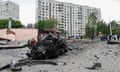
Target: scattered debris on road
{"type": "Point", "coordinates": [16, 66]}
{"type": "Point", "coordinates": [95, 66]}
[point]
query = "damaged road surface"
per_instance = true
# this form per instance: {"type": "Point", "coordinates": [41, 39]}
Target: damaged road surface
{"type": "Point", "coordinates": [95, 66]}
{"type": "Point", "coordinates": [17, 66]}
{"type": "Point", "coordinates": [76, 60]}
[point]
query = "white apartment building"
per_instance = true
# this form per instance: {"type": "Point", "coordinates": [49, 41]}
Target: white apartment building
{"type": "Point", "coordinates": [9, 9]}
{"type": "Point", "coordinates": [71, 18]}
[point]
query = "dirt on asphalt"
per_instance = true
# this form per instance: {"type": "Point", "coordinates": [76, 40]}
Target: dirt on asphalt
{"type": "Point", "coordinates": [83, 55]}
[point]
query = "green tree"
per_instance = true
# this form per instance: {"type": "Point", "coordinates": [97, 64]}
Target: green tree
{"type": "Point", "coordinates": [46, 24]}
{"type": "Point", "coordinates": [3, 23]}
{"type": "Point", "coordinates": [88, 30]}
{"type": "Point", "coordinates": [15, 24]}
{"type": "Point", "coordinates": [91, 25]}
{"type": "Point", "coordinates": [103, 27]}
{"type": "Point", "coordinates": [92, 19]}
{"type": "Point", "coordinates": [114, 26]}
{"type": "Point", "coordinates": [117, 31]}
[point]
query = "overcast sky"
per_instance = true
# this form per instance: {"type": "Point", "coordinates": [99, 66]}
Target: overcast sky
{"type": "Point", "coordinates": [110, 9]}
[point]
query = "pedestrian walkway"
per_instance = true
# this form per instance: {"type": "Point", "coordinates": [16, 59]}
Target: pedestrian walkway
{"type": "Point", "coordinates": [83, 40]}
{"type": "Point", "coordinates": [14, 45]}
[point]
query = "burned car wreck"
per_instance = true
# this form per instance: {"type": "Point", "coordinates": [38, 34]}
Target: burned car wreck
{"type": "Point", "coordinates": [48, 47]}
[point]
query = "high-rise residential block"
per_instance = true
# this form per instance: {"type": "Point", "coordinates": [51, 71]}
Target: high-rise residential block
{"type": "Point", "coordinates": [71, 18]}
{"type": "Point", "coordinates": [9, 9]}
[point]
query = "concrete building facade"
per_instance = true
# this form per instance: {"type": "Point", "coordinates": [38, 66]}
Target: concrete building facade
{"type": "Point", "coordinates": [9, 9]}
{"type": "Point", "coordinates": [71, 18]}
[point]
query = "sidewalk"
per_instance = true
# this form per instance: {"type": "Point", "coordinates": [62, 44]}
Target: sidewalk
{"type": "Point", "coordinates": [89, 40]}
{"type": "Point", "coordinates": [14, 45]}
{"type": "Point", "coordinates": [83, 40]}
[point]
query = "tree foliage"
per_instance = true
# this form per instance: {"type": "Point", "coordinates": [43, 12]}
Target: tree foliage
{"type": "Point", "coordinates": [46, 24]}
{"type": "Point", "coordinates": [103, 27]}
{"type": "Point", "coordinates": [92, 19]}
{"type": "Point", "coordinates": [15, 24]}
{"type": "Point", "coordinates": [89, 31]}
{"type": "Point", "coordinates": [115, 27]}
{"type": "Point", "coordinates": [91, 25]}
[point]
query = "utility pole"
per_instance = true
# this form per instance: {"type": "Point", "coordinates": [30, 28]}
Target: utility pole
{"type": "Point", "coordinates": [10, 23]}
{"type": "Point", "coordinates": [110, 30]}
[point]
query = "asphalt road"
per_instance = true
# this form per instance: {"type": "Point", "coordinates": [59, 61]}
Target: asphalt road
{"type": "Point", "coordinates": [83, 55]}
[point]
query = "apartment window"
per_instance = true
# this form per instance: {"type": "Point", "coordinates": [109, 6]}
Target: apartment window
{"type": "Point", "coordinates": [62, 21]}
{"type": "Point", "coordinates": [79, 17]}
{"type": "Point", "coordinates": [62, 16]}
{"type": "Point", "coordinates": [46, 8]}
{"type": "Point", "coordinates": [42, 8]}
{"type": "Point", "coordinates": [39, 1]}
{"type": "Point", "coordinates": [39, 17]}
{"type": "Point", "coordinates": [60, 24]}
{"type": "Point", "coordinates": [53, 16]}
